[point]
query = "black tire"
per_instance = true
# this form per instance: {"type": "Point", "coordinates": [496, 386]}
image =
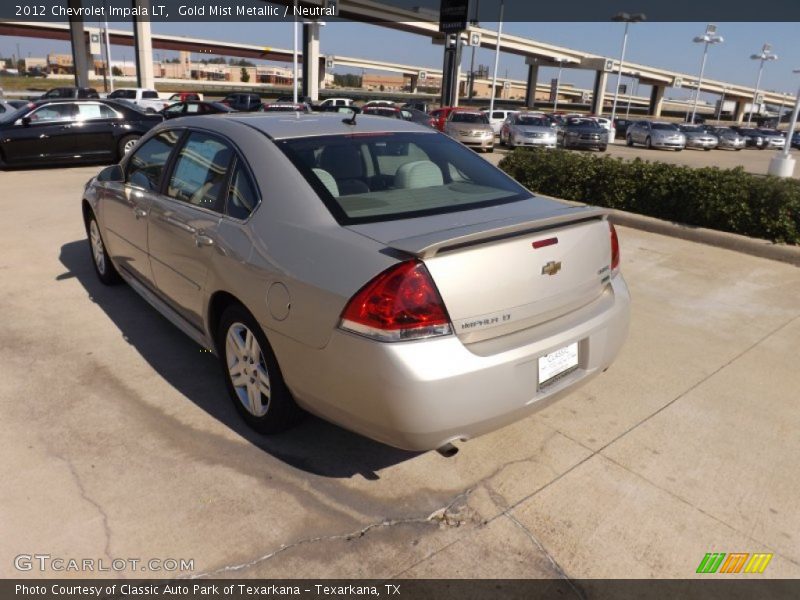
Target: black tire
{"type": "Point", "coordinates": [126, 141]}
{"type": "Point", "coordinates": [603, 148]}
{"type": "Point", "coordinates": [280, 410]}
{"type": "Point", "coordinates": [648, 143]}
{"type": "Point", "coordinates": [629, 140]}
{"type": "Point", "coordinates": [105, 269]}
{"type": "Point", "coordinates": [490, 149]}
{"type": "Point", "coordinates": [707, 149]}
{"type": "Point", "coordinates": [678, 149]}
{"type": "Point", "coordinates": [738, 149]}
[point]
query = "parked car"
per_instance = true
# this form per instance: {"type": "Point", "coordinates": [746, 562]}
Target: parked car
{"type": "Point", "coordinates": [728, 138]}
{"type": "Point", "coordinates": [243, 101]}
{"type": "Point", "coordinates": [656, 134]}
{"type": "Point", "coordinates": [471, 128]}
{"type": "Point", "coordinates": [528, 129]}
{"type": "Point", "coordinates": [773, 138]}
{"type": "Point", "coordinates": [285, 107]}
{"type": "Point", "coordinates": [796, 140]}
{"type": "Point", "coordinates": [753, 137]}
{"type": "Point", "coordinates": [497, 117]}
{"type": "Point", "coordinates": [69, 131]}
{"type": "Point", "coordinates": [335, 102]}
{"type": "Point", "coordinates": [621, 126]}
{"type": "Point", "coordinates": [441, 114]}
{"type": "Point", "coordinates": [147, 99]}
{"type": "Point", "coordinates": [582, 132]}
{"type": "Point", "coordinates": [6, 107]}
{"type": "Point", "coordinates": [181, 109]}
{"type": "Point", "coordinates": [17, 103]}
{"type": "Point", "coordinates": [419, 105]}
{"type": "Point", "coordinates": [70, 92]}
{"type": "Point", "coordinates": [186, 97]}
{"type": "Point", "coordinates": [698, 137]}
{"type": "Point", "coordinates": [390, 103]}
{"type": "Point", "coordinates": [382, 111]}
{"type": "Point", "coordinates": [410, 291]}
{"type": "Point", "coordinates": [603, 122]}
{"type": "Point", "coordinates": [418, 116]}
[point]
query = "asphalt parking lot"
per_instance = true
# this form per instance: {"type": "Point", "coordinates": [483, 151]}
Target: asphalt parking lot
{"type": "Point", "coordinates": [119, 440]}
{"type": "Point", "coordinates": [751, 160]}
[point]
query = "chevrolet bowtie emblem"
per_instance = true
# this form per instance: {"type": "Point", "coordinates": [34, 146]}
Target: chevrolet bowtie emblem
{"type": "Point", "coordinates": [551, 268]}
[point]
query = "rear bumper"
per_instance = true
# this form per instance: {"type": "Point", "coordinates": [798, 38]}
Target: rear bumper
{"type": "Point", "coordinates": [421, 395]}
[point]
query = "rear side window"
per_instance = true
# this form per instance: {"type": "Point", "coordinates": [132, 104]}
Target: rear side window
{"type": "Point", "coordinates": [242, 197]}
{"type": "Point", "coordinates": [95, 111]}
{"type": "Point", "coordinates": [201, 171]}
{"type": "Point", "coordinates": [147, 164]}
{"type": "Point", "coordinates": [498, 115]}
{"type": "Point", "coordinates": [149, 94]}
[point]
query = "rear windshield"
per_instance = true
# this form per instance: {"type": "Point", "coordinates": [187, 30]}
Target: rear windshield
{"type": "Point", "coordinates": [461, 117]}
{"type": "Point", "coordinates": [585, 123]}
{"type": "Point", "coordinates": [365, 178]}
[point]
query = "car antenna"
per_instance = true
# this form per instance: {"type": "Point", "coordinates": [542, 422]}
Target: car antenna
{"type": "Point", "coordinates": [351, 120]}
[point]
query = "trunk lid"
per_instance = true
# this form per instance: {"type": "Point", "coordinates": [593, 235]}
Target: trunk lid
{"type": "Point", "coordinates": [507, 268]}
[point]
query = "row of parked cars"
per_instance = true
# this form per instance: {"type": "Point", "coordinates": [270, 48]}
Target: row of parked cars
{"type": "Point", "coordinates": [657, 134]}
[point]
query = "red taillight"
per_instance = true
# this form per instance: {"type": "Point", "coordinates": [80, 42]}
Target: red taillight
{"type": "Point", "coordinates": [614, 247]}
{"type": "Point", "coordinates": [402, 303]}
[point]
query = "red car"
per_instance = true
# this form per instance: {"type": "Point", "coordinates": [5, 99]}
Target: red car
{"type": "Point", "coordinates": [440, 115]}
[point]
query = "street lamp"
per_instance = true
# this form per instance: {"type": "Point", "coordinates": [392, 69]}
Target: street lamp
{"type": "Point", "coordinates": [622, 17]}
{"type": "Point", "coordinates": [496, 58]}
{"type": "Point", "coordinates": [782, 164]}
{"type": "Point", "coordinates": [766, 54]}
{"type": "Point", "coordinates": [709, 37]}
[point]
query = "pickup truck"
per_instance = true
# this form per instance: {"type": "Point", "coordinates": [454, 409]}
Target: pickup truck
{"type": "Point", "coordinates": [147, 100]}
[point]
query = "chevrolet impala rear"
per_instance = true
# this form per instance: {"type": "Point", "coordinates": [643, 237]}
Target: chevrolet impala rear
{"type": "Point", "coordinates": [368, 270]}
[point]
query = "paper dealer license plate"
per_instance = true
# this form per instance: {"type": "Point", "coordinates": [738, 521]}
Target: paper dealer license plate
{"type": "Point", "coordinates": [558, 363]}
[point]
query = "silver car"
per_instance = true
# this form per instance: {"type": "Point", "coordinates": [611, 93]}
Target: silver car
{"type": "Point", "coordinates": [728, 138]}
{"type": "Point", "coordinates": [773, 138]}
{"type": "Point", "coordinates": [698, 137]}
{"type": "Point", "coordinates": [528, 129]}
{"type": "Point", "coordinates": [369, 270]}
{"type": "Point", "coordinates": [656, 135]}
{"type": "Point", "coordinates": [471, 128]}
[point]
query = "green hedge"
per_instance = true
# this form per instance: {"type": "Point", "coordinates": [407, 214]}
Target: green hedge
{"type": "Point", "coordinates": [722, 199]}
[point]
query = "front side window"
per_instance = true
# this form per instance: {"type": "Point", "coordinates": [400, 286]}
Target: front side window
{"type": "Point", "coordinates": [380, 177]}
{"type": "Point", "coordinates": [53, 112]}
{"type": "Point", "coordinates": [147, 163]}
{"type": "Point", "coordinates": [200, 172]}
{"type": "Point", "coordinates": [124, 94]}
{"type": "Point", "coordinates": [149, 94]}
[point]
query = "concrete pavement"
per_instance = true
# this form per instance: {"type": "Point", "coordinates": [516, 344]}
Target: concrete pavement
{"type": "Point", "coordinates": [119, 440]}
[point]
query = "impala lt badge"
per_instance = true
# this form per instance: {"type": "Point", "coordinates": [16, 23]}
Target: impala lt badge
{"type": "Point", "coordinates": [551, 268]}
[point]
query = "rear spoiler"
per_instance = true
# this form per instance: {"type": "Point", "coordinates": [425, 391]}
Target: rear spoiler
{"type": "Point", "coordinates": [428, 245]}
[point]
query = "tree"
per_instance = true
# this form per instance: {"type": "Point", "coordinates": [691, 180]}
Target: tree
{"type": "Point", "coordinates": [116, 71]}
{"type": "Point", "coordinates": [245, 75]}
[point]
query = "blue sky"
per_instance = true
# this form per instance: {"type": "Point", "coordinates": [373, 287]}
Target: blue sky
{"type": "Point", "coordinates": [665, 45]}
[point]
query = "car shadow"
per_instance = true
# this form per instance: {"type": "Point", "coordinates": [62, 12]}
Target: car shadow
{"type": "Point", "coordinates": [314, 446]}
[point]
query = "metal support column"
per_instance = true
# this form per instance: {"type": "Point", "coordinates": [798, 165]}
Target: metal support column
{"type": "Point", "coordinates": [143, 48]}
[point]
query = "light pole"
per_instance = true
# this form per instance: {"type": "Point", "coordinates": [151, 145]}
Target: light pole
{"type": "Point", "coordinates": [709, 37]}
{"type": "Point", "coordinates": [782, 165]}
{"type": "Point", "coordinates": [295, 73]}
{"type": "Point", "coordinates": [496, 57]}
{"type": "Point", "coordinates": [628, 109]}
{"type": "Point", "coordinates": [560, 62]}
{"type": "Point", "coordinates": [766, 54]}
{"type": "Point", "coordinates": [721, 103]}
{"type": "Point", "coordinates": [627, 19]}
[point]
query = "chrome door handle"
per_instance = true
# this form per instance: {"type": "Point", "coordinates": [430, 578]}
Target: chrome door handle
{"type": "Point", "coordinates": [139, 213]}
{"type": "Point", "coordinates": [201, 239]}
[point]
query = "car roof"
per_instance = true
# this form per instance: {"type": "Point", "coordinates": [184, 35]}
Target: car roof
{"type": "Point", "coordinates": [296, 125]}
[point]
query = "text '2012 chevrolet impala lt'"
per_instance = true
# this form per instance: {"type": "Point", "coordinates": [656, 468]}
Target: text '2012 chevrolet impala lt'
{"type": "Point", "coordinates": [373, 272]}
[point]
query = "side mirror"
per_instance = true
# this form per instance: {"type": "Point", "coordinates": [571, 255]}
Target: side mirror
{"type": "Point", "coordinates": [112, 173]}
{"type": "Point", "coordinates": [26, 121]}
